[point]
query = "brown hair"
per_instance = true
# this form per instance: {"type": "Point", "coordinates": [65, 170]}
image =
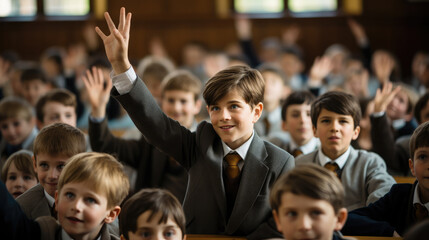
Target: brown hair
{"type": "Point", "coordinates": [14, 107]}
{"type": "Point", "coordinates": [62, 96]}
{"type": "Point", "coordinates": [247, 81]}
{"type": "Point", "coordinates": [155, 201]}
{"type": "Point", "coordinates": [412, 96]}
{"type": "Point", "coordinates": [22, 161]}
{"type": "Point", "coordinates": [298, 97]}
{"type": "Point", "coordinates": [102, 172]}
{"type": "Point", "coordinates": [59, 139]}
{"type": "Point", "coordinates": [182, 80]}
{"type": "Point", "coordinates": [310, 180]}
{"type": "Point", "coordinates": [154, 69]}
{"type": "Point", "coordinates": [337, 102]}
{"type": "Point", "coordinates": [420, 138]}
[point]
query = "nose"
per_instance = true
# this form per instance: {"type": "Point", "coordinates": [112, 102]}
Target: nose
{"type": "Point", "coordinates": [304, 223]}
{"type": "Point", "coordinates": [19, 183]}
{"type": "Point", "coordinates": [76, 205]}
{"type": "Point", "coordinates": [225, 114]}
{"type": "Point", "coordinates": [53, 173]}
{"type": "Point", "coordinates": [335, 126]}
{"type": "Point", "coordinates": [176, 106]}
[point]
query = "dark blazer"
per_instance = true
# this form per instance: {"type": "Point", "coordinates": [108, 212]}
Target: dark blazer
{"type": "Point", "coordinates": [201, 154]}
{"type": "Point", "coordinates": [393, 212]}
{"type": "Point", "coordinates": [14, 224]}
{"type": "Point", "coordinates": [149, 162]}
{"type": "Point", "coordinates": [34, 203]}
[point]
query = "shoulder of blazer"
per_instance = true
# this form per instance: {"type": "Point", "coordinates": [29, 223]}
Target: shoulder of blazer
{"type": "Point", "coordinates": [28, 198]}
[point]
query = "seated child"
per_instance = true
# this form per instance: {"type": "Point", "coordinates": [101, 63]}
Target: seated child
{"type": "Point", "coordinates": [152, 213]}
{"type": "Point", "coordinates": [90, 191]}
{"type": "Point", "coordinates": [179, 100]}
{"type": "Point", "coordinates": [34, 85]}
{"type": "Point", "coordinates": [17, 127]}
{"type": "Point", "coordinates": [297, 122]}
{"type": "Point", "coordinates": [18, 173]}
{"type": "Point", "coordinates": [228, 195]}
{"type": "Point", "coordinates": [275, 92]}
{"type": "Point", "coordinates": [308, 203]}
{"type": "Point", "coordinates": [53, 147]}
{"type": "Point", "coordinates": [335, 117]}
{"type": "Point", "coordinates": [405, 204]}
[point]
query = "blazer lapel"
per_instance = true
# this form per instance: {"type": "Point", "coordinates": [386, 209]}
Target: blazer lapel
{"type": "Point", "coordinates": [252, 180]}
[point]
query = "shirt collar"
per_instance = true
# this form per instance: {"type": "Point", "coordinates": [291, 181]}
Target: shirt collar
{"type": "Point", "coordinates": [340, 161]}
{"type": "Point", "coordinates": [30, 138]}
{"type": "Point", "coordinates": [306, 148]}
{"type": "Point", "coordinates": [242, 150]}
{"type": "Point", "coordinates": [66, 236]}
{"type": "Point", "coordinates": [50, 199]}
{"type": "Point", "coordinates": [416, 198]}
{"type": "Point", "coordinates": [397, 124]}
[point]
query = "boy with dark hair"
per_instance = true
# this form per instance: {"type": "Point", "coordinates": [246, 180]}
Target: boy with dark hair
{"type": "Point", "coordinates": [335, 117]}
{"type": "Point", "coordinates": [53, 147]}
{"type": "Point", "coordinates": [405, 204]}
{"type": "Point", "coordinates": [308, 203]}
{"type": "Point", "coordinates": [34, 84]}
{"type": "Point", "coordinates": [224, 195]}
{"type": "Point", "coordinates": [152, 212]}
{"type": "Point", "coordinates": [297, 122]}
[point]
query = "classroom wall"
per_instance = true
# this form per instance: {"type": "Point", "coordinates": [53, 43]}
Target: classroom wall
{"type": "Point", "coordinates": [401, 26]}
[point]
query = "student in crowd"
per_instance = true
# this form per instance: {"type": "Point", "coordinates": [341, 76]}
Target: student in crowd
{"type": "Point", "coordinates": [179, 100]}
{"type": "Point", "coordinates": [223, 196]}
{"type": "Point", "coordinates": [154, 214]}
{"type": "Point", "coordinates": [18, 173]}
{"type": "Point", "coordinates": [90, 191]}
{"type": "Point", "coordinates": [17, 127]}
{"type": "Point", "coordinates": [53, 147]}
{"type": "Point", "coordinates": [276, 90]}
{"type": "Point", "coordinates": [34, 85]}
{"type": "Point", "coordinates": [308, 203]}
{"type": "Point", "coordinates": [297, 122]}
{"type": "Point", "coordinates": [405, 204]}
{"type": "Point", "coordinates": [335, 117]}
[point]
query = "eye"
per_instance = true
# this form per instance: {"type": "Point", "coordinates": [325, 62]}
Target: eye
{"type": "Point", "coordinates": [60, 167]}
{"type": "Point", "coordinates": [344, 121]}
{"type": "Point", "coordinates": [169, 233]}
{"type": "Point", "coordinates": [90, 200]}
{"type": "Point", "coordinates": [234, 106]}
{"type": "Point", "coordinates": [12, 178]}
{"type": "Point", "coordinates": [183, 101]}
{"type": "Point", "coordinates": [144, 233]}
{"type": "Point", "coordinates": [315, 213]}
{"type": "Point", "coordinates": [324, 121]}
{"type": "Point", "coordinates": [291, 214]}
{"type": "Point", "coordinates": [28, 177]}
{"type": "Point", "coordinates": [69, 195]}
{"type": "Point", "coordinates": [44, 166]}
{"type": "Point", "coordinates": [422, 156]}
{"type": "Point", "coordinates": [214, 108]}
{"type": "Point", "coordinates": [16, 124]}
{"type": "Point", "coordinates": [295, 114]}
{"type": "Point", "coordinates": [69, 115]}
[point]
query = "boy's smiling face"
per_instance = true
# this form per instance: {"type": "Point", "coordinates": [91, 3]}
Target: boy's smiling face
{"type": "Point", "coordinates": [420, 169]}
{"type": "Point", "coordinates": [302, 217]}
{"type": "Point", "coordinates": [16, 130]}
{"type": "Point", "coordinates": [48, 169]}
{"type": "Point", "coordinates": [233, 118]}
{"type": "Point", "coordinates": [335, 132]}
{"type": "Point", "coordinates": [180, 106]}
{"type": "Point", "coordinates": [154, 229]}
{"type": "Point", "coordinates": [83, 211]}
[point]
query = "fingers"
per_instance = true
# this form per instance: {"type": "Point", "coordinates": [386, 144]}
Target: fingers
{"type": "Point", "coordinates": [127, 25]}
{"type": "Point", "coordinates": [121, 19]}
{"type": "Point", "coordinates": [100, 33]}
{"type": "Point", "coordinates": [109, 22]}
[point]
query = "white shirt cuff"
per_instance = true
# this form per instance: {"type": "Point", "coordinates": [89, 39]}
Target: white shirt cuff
{"type": "Point", "coordinates": [124, 82]}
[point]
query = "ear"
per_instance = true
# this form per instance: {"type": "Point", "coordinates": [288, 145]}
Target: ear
{"type": "Point", "coordinates": [315, 132]}
{"type": "Point", "coordinates": [198, 105]}
{"type": "Point", "coordinates": [122, 237]}
{"type": "Point", "coordinates": [341, 219]}
{"type": "Point", "coordinates": [184, 237]}
{"type": "Point", "coordinates": [257, 112]}
{"type": "Point", "coordinates": [207, 108]}
{"type": "Point", "coordinates": [39, 124]}
{"type": "Point", "coordinates": [34, 163]}
{"type": "Point", "coordinates": [277, 220]}
{"type": "Point", "coordinates": [56, 200]}
{"type": "Point", "coordinates": [356, 133]}
{"type": "Point", "coordinates": [113, 213]}
{"type": "Point", "coordinates": [411, 166]}
{"type": "Point", "coordinates": [284, 126]}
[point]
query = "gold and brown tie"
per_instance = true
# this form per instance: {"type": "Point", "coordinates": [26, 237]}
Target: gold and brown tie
{"type": "Point", "coordinates": [297, 152]}
{"type": "Point", "coordinates": [333, 167]}
{"type": "Point", "coordinates": [232, 180]}
{"type": "Point", "coordinates": [421, 212]}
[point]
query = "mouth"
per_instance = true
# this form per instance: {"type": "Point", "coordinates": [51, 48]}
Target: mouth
{"type": "Point", "coordinates": [226, 127]}
{"type": "Point", "coordinates": [16, 194]}
{"type": "Point", "coordinates": [334, 138]}
{"type": "Point", "coordinates": [74, 220]}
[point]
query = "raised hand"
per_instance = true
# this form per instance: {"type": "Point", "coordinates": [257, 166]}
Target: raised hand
{"type": "Point", "coordinates": [4, 68]}
{"type": "Point", "coordinates": [98, 94]}
{"type": "Point", "coordinates": [320, 69]}
{"type": "Point", "coordinates": [383, 65]}
{"type": "Point", "coordinates": [116, 43]}
{"type": "Point", "coordinates": [384, 96]}
{"type": "Point", "coordinates": [243, 26]}
{"type": "Point", "coordinates": [358, 31]}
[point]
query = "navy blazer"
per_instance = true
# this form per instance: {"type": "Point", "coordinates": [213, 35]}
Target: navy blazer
{"type": "Point", "coordinates": [393, 212]}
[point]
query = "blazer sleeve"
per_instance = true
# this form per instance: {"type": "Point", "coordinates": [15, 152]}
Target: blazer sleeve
{"type": "Point", "coordinates": [128, 151]}
{"type": "Point", "coordinates": [378, 181]}
{"type": "Point", "coordinates": [159, 130]}
{"type": "Point", "coordinates": [14, 224]}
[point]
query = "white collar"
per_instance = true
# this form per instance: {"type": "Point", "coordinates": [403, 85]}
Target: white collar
{"type": "Point", "coordinates": [50, 199]}
{"type": "Point", "coordinates": [416, 198]}
{"type": "Point", "coordinates": [309, 147]}
{"type": "Point", "coordinates": [242, 150]}
{"type": "Point", "coordinates": [340, 161]}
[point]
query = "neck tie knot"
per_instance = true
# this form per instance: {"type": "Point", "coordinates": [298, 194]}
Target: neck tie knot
{"type": "Point", "coordinates": [297, 152]}
{"type": "Point", "coordinates": [232, 159]}
{"type": "Point", "coordinates": [421, 211]}
{"type": "Point", "coordinates": [333, 167]}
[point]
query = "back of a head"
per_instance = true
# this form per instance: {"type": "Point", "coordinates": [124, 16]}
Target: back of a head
{"type": "Point", "coordinates": [153, 200]}
{"type": "Point", "coordinates": [182, 80]}
{"type": "Point", "coordinates": [337, 102]}
{"type": "Point", "coordinates": [297, 97]}
{"type": "Point", "coordinates": [154, 69]}
{"type": "Point", "coordinates": [59, 95]}
{"type": "Point", "coordinates": [59, 139]}
{"type": "Point", "coordinates": [14, 107]}
{"type": "Point", "coordinates": [312, 181]}
{"type": "Point", "coordinates": [101, 172]}
{"type": "Point", "coordinates": [246, 81]}
{"type": "Point", "coordinates": [420, 138]}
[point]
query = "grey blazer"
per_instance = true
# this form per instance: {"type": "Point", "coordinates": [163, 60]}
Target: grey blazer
{"type": "Point", "coordinates": [364, 177]}
{"type": "Point", "coordinates": [200, 153]}
{"type": "Point", "coordinates": [34, 203]}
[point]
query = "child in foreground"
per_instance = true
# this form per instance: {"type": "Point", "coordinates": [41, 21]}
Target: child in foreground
{"type": "Point", "coordinates": [308, 203]}
{"type": "Point", "coordinates": [152, 213]}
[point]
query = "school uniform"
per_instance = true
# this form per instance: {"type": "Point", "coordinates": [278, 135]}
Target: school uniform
{"type": "Point", "coordinates": [290, 146]}
{"type": "Point", "coordinates": [154, 168]}
{"type": "Point", "coordinates": [201, 153]}
{"type": "Point", "coordinates": [393, 212]}
{"type": "Point", "coordinates": [34, 202]}
{"type": "Point", "coordinates": [269, 123]}
{"type": "Point", "coordinates": [52, 230]}
{"type": "Point", "coordinates": [363, 175]}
